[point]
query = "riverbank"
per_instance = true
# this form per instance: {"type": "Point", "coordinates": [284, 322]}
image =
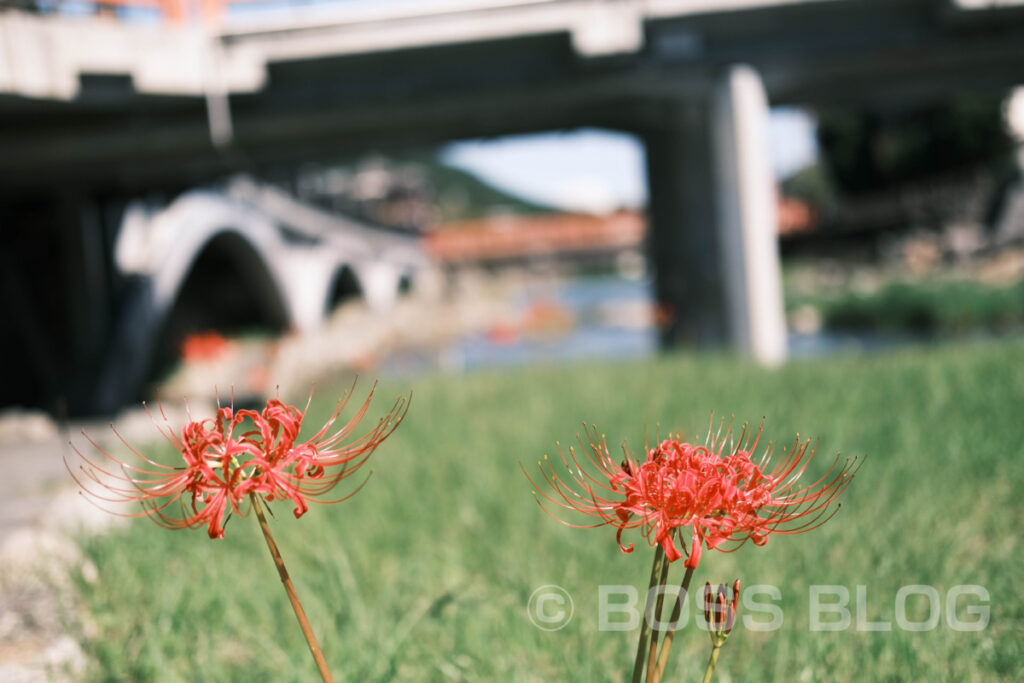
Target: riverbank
{"type": "Point", "coordinates": [493, 323]}
{"type": "Point", "coordinates": [428, 570]}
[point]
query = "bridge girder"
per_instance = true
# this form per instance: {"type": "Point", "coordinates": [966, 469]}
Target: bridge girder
{"type": "Point", "coordinates": [851, 52]}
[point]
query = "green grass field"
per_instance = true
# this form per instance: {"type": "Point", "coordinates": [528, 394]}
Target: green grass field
{"type": "Point", "coordinates": [425, 575]}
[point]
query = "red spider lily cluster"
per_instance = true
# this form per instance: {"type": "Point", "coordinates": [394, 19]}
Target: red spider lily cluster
{"type": "Point", "coordinates": [719, 490]}
{"type": "Point", "coordinates": [233, 455]}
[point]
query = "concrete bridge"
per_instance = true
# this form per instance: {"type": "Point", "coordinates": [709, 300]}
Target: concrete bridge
{"type": "Point", "coordinates": [95, 111]}
{"type": "Point", "coordinates": [238, 258]}
{"type": "Point", "coordinates": [140, 103]}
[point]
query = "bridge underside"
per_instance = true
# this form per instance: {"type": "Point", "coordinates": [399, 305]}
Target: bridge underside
{"type": "Point", "coordinates": [853, 53]}
{"type": "Point", "coordinates": [113, 143]}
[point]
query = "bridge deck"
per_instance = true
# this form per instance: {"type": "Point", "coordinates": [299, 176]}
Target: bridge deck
{"type": "Point", "coordinates": [132, 104]}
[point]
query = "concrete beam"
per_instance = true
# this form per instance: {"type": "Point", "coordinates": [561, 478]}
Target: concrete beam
{"type": "Point", "coordinates": [44, 57]}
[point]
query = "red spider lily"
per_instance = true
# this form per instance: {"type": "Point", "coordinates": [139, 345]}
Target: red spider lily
{"type": "Point", "coordinates": [231, 455]}
{"type": "Point", "coordinates": [724, 496]}
{"type": "Point", "coordinates": [720, 615]}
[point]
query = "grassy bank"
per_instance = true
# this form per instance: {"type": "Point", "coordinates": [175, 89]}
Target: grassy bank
{"type": "Point", "coordinates": [426, 573]}
{"type": "Point", "coordinates": [938, 308]}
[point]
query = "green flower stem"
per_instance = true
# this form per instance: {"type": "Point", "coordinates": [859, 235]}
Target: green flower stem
{"type": "Point", "coordinates": [656, 632]}
{"type": "Point", "coordinates": [645, 631]}
{"type": "Point", "coordinates": [666, 645]}
{"type": "Point", "coordinates": [293, 597]}
{"type": "Point", "coordinates": [712, 662]}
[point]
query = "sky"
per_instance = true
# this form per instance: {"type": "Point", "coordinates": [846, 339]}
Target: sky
{"type": "Point", "coordinates": [597, 170]}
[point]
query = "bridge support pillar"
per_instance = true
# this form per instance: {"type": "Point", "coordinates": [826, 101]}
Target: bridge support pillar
{"type": "Point", "coordinates": [713, 222]}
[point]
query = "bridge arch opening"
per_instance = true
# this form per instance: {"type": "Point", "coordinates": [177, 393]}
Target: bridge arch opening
{"type": "Point", "coordinates": [345, 287]}
{"type": "Point", "coordinates": [229, 290]}
{"type": "Point", "coordinates": [405, 284]}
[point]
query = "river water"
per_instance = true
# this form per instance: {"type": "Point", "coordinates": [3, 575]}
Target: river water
{"type": "Point", "coordinates": [592, 318]}
{"type": "Point", "coordinates": [575, 319]}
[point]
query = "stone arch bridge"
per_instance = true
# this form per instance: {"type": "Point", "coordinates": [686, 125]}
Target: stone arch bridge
{"type": "Point", "coordinates": [240, 258]}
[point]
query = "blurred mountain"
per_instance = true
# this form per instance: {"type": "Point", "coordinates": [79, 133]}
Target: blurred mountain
{"type": "Point", "coordinates": [811, 184]}
{"type": "Point", "coordinates": [461, 195]}
{"type": "Point", "coordinates": [412, 192]}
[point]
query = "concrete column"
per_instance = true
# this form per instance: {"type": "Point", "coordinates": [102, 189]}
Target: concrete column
{"type": "Point", "coordinates": [713, 239]}
{"type": "Point", "coordinates": [85, 297]}
{"type": "Point", "coordinates": [748, 216]}
{"type": "Point", "coordinates": [683, 243]}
